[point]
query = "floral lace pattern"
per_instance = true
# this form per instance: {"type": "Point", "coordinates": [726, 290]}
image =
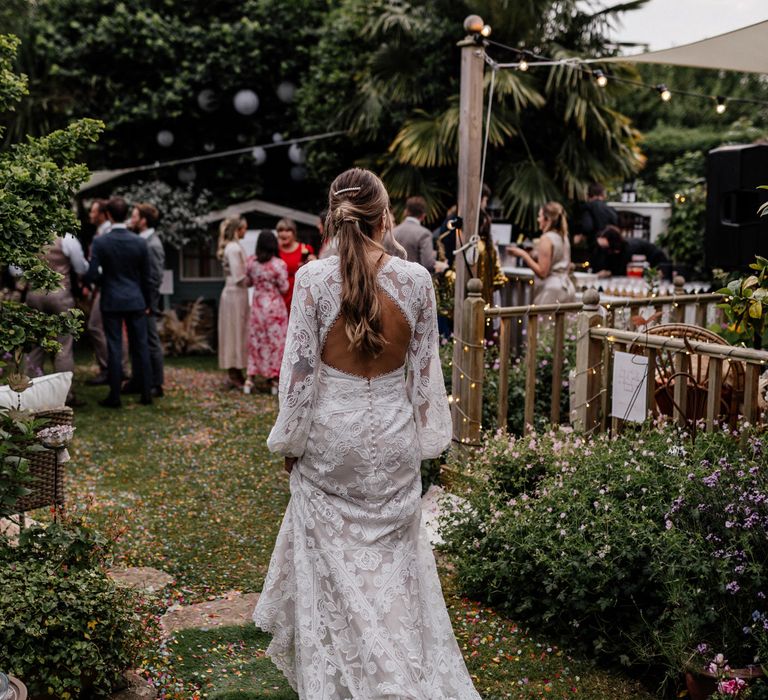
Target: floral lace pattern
{"type": "Point", "coordinates": [352, 595]}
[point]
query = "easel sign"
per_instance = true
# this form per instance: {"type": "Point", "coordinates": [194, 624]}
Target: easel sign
{"type": "Point", "coordinates": [630, 381]}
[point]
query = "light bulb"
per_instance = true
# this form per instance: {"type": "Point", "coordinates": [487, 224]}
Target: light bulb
{"type": "Point", "coordinates": [486, 30]}
{"type": "Point", "coordinates": [720, 106]}
{"type": "Point", "coordinates": [523, 65]}
{"type": "Point", "coordinates": [664, 92]}
{"type": "Point", "coordinates": [600, 78]}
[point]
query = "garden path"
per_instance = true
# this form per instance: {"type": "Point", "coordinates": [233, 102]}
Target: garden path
{"type": "Point", "coordinates": [191, 490]}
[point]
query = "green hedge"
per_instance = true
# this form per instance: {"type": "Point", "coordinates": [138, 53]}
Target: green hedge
{"type": "Point", "coordinates": [640, 549]}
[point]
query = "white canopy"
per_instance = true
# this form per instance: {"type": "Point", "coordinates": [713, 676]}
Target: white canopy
{"type": "Point", "coordinates": [744, 50]}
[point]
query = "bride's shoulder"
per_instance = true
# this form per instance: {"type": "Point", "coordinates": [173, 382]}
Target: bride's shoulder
{"type": "Point", "coordinates": [412, 270]}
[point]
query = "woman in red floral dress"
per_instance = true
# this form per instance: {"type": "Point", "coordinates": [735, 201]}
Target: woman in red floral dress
{"type": "Point", "coordinates": [268, 275]}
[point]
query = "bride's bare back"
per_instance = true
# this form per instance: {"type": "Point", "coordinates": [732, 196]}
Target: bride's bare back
{"type": "Point", "coordinates": [396, 331]}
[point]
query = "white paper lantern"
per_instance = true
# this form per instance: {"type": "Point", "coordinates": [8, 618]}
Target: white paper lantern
{"type": "Point", "coordinates": [246, 102]}
{"type": "Point", "coordinates": [298, 173]}
{"type": "Point", "coordinates": [187, 174]}
{"type": "Point", "coordinates": [259, 155]}
{"type": "Point", "coordinates": [165, 138]}
{"type": "Point", "coordinates": [277, 137]}
{"type": "Point", "coordinates": [208, 100]}
{"type": "Point", "coordinates": [286, 91]}
{"type": "Point", "coordinates": [209, 147]}
{"type": "Point", "coordinates": [296, 154]}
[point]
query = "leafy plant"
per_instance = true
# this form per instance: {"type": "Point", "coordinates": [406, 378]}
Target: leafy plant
{"type": "Point", "coordinates": [188, 335]}
{"type": "Point", "coordinates": [746, 304]}
{"type": "Point", "coordinates": [37, 181]}
{"type": "Point", "coordinates": [67, 630]}
{"type": "Point", "coordinates": [179, 209]}
{"type": "Point", "coordinates": [639, 548]}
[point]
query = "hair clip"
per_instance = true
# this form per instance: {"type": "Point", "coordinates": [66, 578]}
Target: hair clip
{"type": "Point", "coordinates": [346, 189]}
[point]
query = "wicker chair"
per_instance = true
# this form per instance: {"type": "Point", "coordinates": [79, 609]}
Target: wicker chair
{"type": "Point", "coordinates": [697, 375]}
{"type": "Point", "coordinates": [47, 483]}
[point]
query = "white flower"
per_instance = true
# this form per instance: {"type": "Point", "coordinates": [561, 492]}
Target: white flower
{"type": "Point", "coordinates": [367, 559]}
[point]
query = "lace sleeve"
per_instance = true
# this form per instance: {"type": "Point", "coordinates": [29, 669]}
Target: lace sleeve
{"type": "Point", "coordinates": [426, 388]}
{"type": "Point", "coordinates": [298, 373]}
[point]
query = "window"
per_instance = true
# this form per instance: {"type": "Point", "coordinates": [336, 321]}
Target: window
{"type": "Point", "coordinates": [199, 261]}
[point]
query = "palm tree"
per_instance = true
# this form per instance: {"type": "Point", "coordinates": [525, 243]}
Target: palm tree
{"type": "Point", "coordinates": [552, 130]}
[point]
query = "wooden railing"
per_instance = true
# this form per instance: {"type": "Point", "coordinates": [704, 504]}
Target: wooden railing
{"type": "Point", "coordinates": [596, 344]}
{"type": "Point", "coordinates": [467, 397]}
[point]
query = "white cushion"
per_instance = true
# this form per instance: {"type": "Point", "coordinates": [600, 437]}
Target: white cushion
{"type": "Point", "coordinates": [47, 393]}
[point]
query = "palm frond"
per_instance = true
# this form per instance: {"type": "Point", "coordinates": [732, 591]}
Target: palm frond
{"type": "Point", "coordinates": [511, 85]}
{"type": "Point", "coordinates": [523, 187]}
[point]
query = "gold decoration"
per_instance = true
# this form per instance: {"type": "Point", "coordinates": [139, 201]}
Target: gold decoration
{"type": "Point", "coordinates": [19, 381]}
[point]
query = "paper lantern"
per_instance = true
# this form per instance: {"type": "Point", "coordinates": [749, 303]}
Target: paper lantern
{"type": "Point", "coordinates": [296, 154]}
{"type": "Point", "coordinates": [259, 155]}
{"type": "Point", "coordinates": [246, 102]}
{"type": "Point", "coordinates": [286, 91]}
{"type": "Point", "coordinates": [165, 138]}
{"type": "Point", "coordinates": [208, 100]}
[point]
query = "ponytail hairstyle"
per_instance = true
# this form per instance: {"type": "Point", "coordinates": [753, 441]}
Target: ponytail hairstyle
{"type": "Point", "coordinates": [228, 232]}
{"type": "Point", "coordinates": [555, 214]}
{"type": "Point", "coordinates": [358, 210]}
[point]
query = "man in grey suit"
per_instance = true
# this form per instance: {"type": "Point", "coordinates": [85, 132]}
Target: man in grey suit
{"type": "Point", "coordinates": [144, 218]}
{"type": "Point", "coordinates": [415, 238]}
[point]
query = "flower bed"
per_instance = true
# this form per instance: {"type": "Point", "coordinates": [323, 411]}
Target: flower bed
{"type": "Point", "coordinates": [640, 548]}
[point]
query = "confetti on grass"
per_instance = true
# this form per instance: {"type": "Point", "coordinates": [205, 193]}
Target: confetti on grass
{"type": "Point", "coordinates": [192, 486]}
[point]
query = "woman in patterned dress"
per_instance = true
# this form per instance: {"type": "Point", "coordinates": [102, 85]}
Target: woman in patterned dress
{"type": "Point", "coordinates": [268, 275]}
{"type": "Point", "coordinates": [352, 597]}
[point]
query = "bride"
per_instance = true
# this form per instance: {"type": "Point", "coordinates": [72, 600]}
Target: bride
{"type": "Point", "coordinates": [352, 596]}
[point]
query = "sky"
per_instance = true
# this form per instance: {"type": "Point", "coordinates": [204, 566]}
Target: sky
{"type": "Point", "coordinates": [666, 23]}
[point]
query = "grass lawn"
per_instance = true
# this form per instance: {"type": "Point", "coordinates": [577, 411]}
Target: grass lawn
{"type": "Point", "coordinates": [191, 484]}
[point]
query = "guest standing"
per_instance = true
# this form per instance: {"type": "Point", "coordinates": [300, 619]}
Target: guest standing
{"type": "Point", "coordinates": [233, 305]}
{"type": "Point", "coordinates": [144, 218]}
{"type": "Point", "coordinates": [414, 237]}
{"type": "Point", "coordinates": [64, 257]}
{"type": "Point", "coordinates": [552, 283]}
{"type": "Point", "coordinates": [293, 253]}
{"type": "Point", "coordinates": [120, 263]}
{"type": "Point", "coordinates": [268, 275]}
{"type": "Point", "coordinates": [97, 215]}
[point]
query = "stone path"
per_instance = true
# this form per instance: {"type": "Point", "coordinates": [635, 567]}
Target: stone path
{"type": "Point", "coordinates": [234, 608]}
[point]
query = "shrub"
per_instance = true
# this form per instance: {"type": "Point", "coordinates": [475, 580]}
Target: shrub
{"type": "Point", "coordinates": [67, 630]}
{"type": "Point", "coordinates": [605, 541]}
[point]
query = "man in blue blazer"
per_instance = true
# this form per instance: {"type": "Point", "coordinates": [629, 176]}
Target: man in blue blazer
{"type": "Point", "coordinates": [120, 265]}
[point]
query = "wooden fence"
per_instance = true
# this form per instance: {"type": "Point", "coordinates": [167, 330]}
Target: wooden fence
{"type": "Point", "coordinates": [597, 339]}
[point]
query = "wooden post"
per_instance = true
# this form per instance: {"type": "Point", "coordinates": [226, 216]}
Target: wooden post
{"type": "Point", "coordinates": [682, 365]}
{"type": "Point", "coordinates": [677, 315]}
{"type": "Point", "coordinates": [588, 354]}
{"type": "Point", "coordinates": [505, 336]}
{"type": "Point", "coordinates": [472, 352]}
{"type": "Point", "coordinates": [557, 368]}
{"type": "Point", "coordinates": [714, 387]}
{"type": "Point", "coordinates": [531, 350]}
{"type": "Point", "coordinates": [701, 314]}
{"type": "Point", "coordinates": [751, 387]}
{"type": "Point", "coordinates": [470, 148]}
{"type": "Point", "coordinates": [650, 397]}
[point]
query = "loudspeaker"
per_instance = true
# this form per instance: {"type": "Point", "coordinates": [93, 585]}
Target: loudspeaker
{"type": "Point", "coordinates": [734, 231]}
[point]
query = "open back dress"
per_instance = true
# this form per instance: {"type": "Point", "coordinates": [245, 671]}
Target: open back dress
{"type": "Point", "coordinates": [352, 597]}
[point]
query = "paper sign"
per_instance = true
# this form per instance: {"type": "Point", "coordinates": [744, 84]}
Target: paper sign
{"type": "Point", "coordinates": [630, 382]}
{"type": "Point", "coordinates": [501, 233]}
{"type": "Point", "coordinates": [166, 287]}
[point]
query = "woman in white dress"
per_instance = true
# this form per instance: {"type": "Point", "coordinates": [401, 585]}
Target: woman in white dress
{"type": "Point", "coordinates": [552, 282]}
{"type": "Point", "coordinates": [352, 597]}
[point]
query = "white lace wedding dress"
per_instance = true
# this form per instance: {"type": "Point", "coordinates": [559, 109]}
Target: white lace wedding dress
{"type": "Point", "coordinates": [352, 597]}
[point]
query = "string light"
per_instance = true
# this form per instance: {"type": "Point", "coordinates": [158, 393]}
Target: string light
{"type": "Point", "coordinates": [523, 64]}
{"type": "Point", "coordinates": [486, 30]}
{"type": "Point", "coordinates": [600, 78]}
{"type": "Point", "coordinates": [720, 105]}
{"type": "Point", "coordinates": [664, 92]}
